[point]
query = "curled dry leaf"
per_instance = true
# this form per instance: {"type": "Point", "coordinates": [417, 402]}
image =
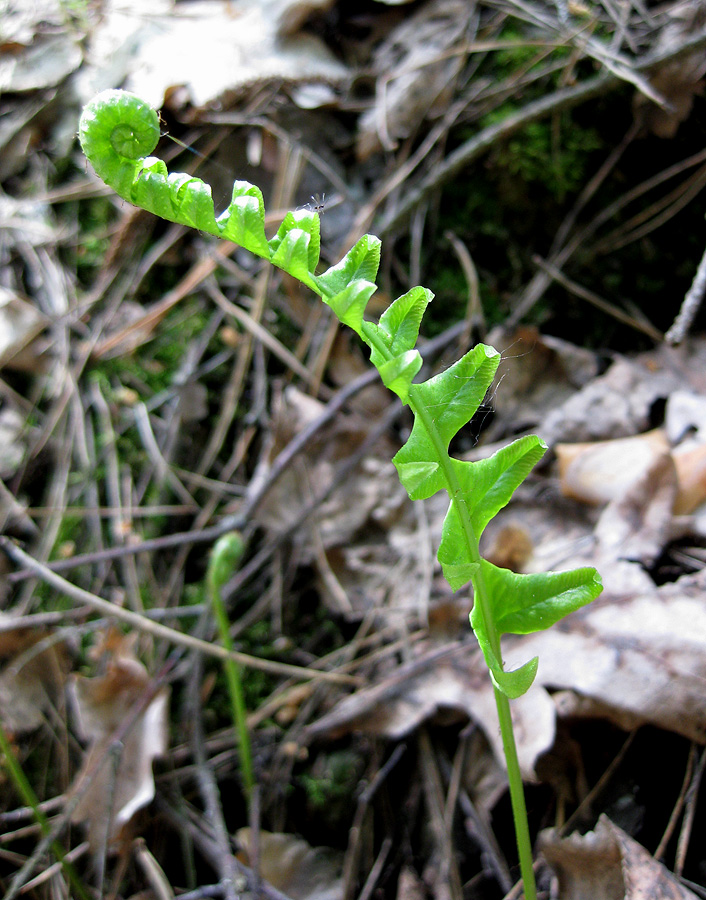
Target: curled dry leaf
{"type": "Point", "coordinates": [34, 669]}
{"type": "Point", "coordinates": [618, 403]}
{"type": "Point", "coordinates": [46, 62]}
{"type": "Point", "coordinates": [636, 525]}
{"type": "Point", "coordinates": [607, 864]}
{"type": "Point", "coordinates": [631, 474]}
{"type": "Point", "coordinates": [111, 792]}
{"type": "Point", "coordinates": [289, 864]}
{"type": "Point", "coordinates": [600, 471]}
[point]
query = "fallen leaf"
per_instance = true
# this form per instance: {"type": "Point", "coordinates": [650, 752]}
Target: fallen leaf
{"type": "Point", "coordinates": [636, 525]}
{"type": "Point", "coordinates": [47, 61]}
{"type": "Point", "coordinates": [607, 864]}
{"type": "Point", "coordinates": [289, 864]}
{"type": "Point", "coordinates": [618, 403]}
{"type": "Point", "coordinates": [600, 471]}
{"type": "Point", "coordinates": [642, 655]}
{"type": "Point", "coordinates": [203, 46]}
{"type": "Point", "coordinates": [112, 792]}
{"type": "Point", "coordinates": [34, 669]}
{"type": "Point", "coordinates": [453, 678]}
{"type": "Point", "coordinates": [22, 21]}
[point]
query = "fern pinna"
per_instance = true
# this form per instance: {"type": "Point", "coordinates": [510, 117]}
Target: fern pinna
{"type": "Point", "coordinates": [118, 131]}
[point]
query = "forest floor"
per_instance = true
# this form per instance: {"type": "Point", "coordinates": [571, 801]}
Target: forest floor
{"type": "Point", "coordinates": [540, 167]}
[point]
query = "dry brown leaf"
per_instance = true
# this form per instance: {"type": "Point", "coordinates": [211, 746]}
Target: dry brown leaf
{"type": "Point", "coordinates": [34, 669]}
{"type": "Point", "coordinates": [644, 486]}
{"type": "Point", "coordinates": [20, 323]}
{"type": "Point", "coordinates": [112, 791]}
{"type": "Point", "coordinates": [23, 20]}
{"type": "Point", "coordinates": [618, 403]}
{"type": "Point", "coordinates": [48, 60]}
{"type": "Point", "coordinates": [289, 864]}
{"type": "Point", "coordinates": [601, 471]}
{"type": "Point", "coordinates": [203, 47]}
{"type": "Point", "coordinates": [607, 864]}
{"type": "Point", "coordinates": [448, 680]}
{"type": "Point", "coordinates": [641, 655]}
{"type": "Point", "coordinates": [636, 525]}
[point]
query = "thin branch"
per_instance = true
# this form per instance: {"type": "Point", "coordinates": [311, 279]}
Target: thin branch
{"type": "Point", "coordinates": [690, 306]}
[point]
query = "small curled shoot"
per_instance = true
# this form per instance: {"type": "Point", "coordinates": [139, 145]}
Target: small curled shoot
{"type": "Point", "coordinates": [225, 558]}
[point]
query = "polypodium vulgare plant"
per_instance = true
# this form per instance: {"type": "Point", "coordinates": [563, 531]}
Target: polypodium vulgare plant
{"type": "Point", "coordinates": [118, 131]}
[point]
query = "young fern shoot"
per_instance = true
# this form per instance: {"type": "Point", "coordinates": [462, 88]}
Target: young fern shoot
{"type": "Point", "coordinates": [118, 131]}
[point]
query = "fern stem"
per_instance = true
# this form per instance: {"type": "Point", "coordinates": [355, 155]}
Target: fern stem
{"type": "Point", "coordinates": [455, 493]}
{"type": "Point", "coordinates": [514, 776]}
{"type": "Point", "coordinates": [453, 488]}
{"type": "Point", "coordinates": [517, 796]}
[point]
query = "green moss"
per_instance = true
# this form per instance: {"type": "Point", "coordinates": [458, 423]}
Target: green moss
{"type": "Point", "coordinates": [558, 167]}
{"type": "Point", "coordinates": [95, 219]}
{"type": "Point", "coordinates": [152, 367]}
{"type": "Point", "coordinates": [331, 784]}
